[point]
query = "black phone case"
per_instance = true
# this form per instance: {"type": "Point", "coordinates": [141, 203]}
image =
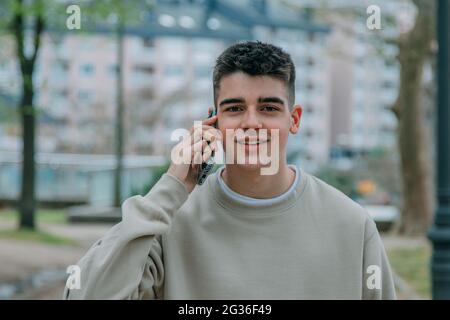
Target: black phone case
{"type": "Point", "coordinates": [206, 167]}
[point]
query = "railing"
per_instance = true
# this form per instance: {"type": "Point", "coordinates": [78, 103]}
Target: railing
{"type": "Point", "coordinates": [75, 178]}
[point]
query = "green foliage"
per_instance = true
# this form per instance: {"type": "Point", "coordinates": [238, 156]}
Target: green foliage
{"type": "Point", "coordinates": [110, 11]}
{"type": "Point", "coordinates": [379, 165]}
{"type": "Point", "coordinates": [42, 215]}
{"type": "Point", "coordinates": [156, 175]}
{"type": "Point", "coordinates": [35, 236]}
{"type": "Point", "coordinates": [93, 13]}
{"type": "Point", "coordinates": [51, 10]}
{"type": "Point", "coordinates": [5, 15]}
{"type": "Point", "coordinates": [344, 181]}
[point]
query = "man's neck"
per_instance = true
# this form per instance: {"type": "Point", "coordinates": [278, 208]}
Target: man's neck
{"type": "Point", "coordinates": [252, 184]}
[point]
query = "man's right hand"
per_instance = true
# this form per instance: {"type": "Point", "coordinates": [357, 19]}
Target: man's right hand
{"type": "Point", "coordinates": [187, 173]}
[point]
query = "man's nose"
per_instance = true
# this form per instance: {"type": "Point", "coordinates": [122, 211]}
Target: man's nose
{"type": "Point", "coordinates": [251, 120]}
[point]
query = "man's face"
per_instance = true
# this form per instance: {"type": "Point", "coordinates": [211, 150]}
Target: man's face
{"type": "Point", "coordinates": [254, 103]}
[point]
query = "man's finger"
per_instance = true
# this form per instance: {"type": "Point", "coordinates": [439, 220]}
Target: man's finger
{"type": "Point", "coordinates": [205, 132]}
{"type": "Point", "coordinates": [207, 154]}
{"type": "Point", "coordinates": [197, 158]}
{"type": "Point", "coordinates": [210, 135]}
{"type": "Point", "coordinates": [210, 121]}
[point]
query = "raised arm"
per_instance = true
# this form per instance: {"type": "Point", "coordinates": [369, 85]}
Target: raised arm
{"type": "Point", "coordinates": [127, 262]}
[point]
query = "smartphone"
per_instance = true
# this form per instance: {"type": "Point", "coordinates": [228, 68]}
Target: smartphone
{"type": "Point", "coordinates": [206, 167]}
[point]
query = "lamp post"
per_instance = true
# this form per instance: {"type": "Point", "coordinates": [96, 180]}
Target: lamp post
{"type": "Point", "coordinates": [439, 234]}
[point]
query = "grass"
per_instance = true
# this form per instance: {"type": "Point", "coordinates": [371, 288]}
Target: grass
{"type": "Point", "coordinates": [42, 215]}
{"type": "Point", "coordinates": [35, 236]}
{"type": "Point", "coordinates": [45, 216]}
{"type": "Point", "coordinates": [412, 265]}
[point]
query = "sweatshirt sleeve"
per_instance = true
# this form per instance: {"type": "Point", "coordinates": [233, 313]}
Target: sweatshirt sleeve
{"type": "Point", "coordinates": [127, 262]}
{"type": "Point", "coordinates": [378, 282]}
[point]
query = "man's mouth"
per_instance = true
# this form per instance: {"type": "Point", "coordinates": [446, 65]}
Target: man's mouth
{"type": "Point", "coordinates": [251, 142]}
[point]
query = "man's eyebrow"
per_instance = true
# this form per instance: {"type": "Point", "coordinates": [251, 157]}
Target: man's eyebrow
{"type": "Point", "coordinates": [271, 99]}
{"type": "Point", "coordinates": [231, 100]}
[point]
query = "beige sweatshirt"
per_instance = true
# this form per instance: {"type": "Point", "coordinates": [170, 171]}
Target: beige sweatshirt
{"type": "Point", "coordinates": [315, 244]}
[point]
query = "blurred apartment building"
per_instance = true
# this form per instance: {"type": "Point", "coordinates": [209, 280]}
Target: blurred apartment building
{"type": "Point", "coordinates": [167, 79]}
{"type": "Point", "coordinates": [365, 77]}
{"type": "Point", "coordinates": [343, 84]}
{"type": "Point", "coordinates": [365, 87]}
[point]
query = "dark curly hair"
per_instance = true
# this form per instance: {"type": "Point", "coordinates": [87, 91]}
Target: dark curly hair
{"type": "Point", "coordinates": [256, 59]}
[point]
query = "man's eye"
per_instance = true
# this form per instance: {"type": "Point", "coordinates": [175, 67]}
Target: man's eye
{"type": "Point", "coordinates": [234, 109]}
{"type": "Point", "coordinates": [269, 108]}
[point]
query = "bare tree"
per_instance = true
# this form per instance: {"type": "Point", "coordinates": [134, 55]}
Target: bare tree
{"type": "Point", "coordinates": [414, 50]}
{"type": "Point", "coordinates": [120, 107]}
{"type": "Point", "coordinates": [27, 110]}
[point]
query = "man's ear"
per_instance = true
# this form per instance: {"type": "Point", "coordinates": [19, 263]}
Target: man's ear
{"type": "Point", "coordinates": [296, 115]}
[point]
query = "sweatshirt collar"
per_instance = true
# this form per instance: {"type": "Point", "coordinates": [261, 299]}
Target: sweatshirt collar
{"type": "Point", "coordinates": [240, 205]}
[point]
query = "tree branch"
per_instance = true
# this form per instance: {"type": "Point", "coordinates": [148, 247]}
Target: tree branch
{"type": "Point", "coordinates": [396, 110]}
{"type": "Point", "coordinates": [17, 26]}
{"type": "Point", "coordinates": [38, 28]}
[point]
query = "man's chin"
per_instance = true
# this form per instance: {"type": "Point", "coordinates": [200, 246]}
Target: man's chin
{"type": "Point", "coordinates": [249, 166]}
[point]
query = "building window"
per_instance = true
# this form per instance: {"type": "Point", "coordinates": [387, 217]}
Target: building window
{"type": "Point", "coordinates": [87, 69]}
{"type": "Point", "coordinates": [148, 42]}
{"type": "Point", "coordinates": [310, 62]}
{"type": "Point", "coordinates": [388, 84]}
{"type": "Point", "coordinates": [390, 62]}
{"type": "Point", "coordinates": [112, 69]}
{"type": "Point", "coordinates": [85, 96]}
{"type": "Point", "coordinates": [147, 69]}
{"type": "Point", "coordinates": [60, 68]}
{"type": "Point", "coordinates": [309, 110]}
{"type": "Point", "coordinates": [202, 71]}
{"type": "Point", "coordinates": [60, 94]}
{"type": "Point", "coordinates": [173, 70]}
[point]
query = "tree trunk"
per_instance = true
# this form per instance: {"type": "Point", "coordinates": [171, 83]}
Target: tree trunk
{"type": "Point", "coordinates": [27, 196]}
{"type": "Point", "coordinates": [119, 114]}
{"type": "Point", "coordinates": [414, 47]}
{"type": "Point", "coordinates": [27, 203]}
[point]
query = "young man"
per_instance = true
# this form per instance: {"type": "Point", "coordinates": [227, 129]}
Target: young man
{"type": "Point", "coordinates": [242, 234]}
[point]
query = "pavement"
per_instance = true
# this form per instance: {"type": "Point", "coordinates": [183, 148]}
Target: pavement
{"type": "Point", "coordinates": [22, 259]}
